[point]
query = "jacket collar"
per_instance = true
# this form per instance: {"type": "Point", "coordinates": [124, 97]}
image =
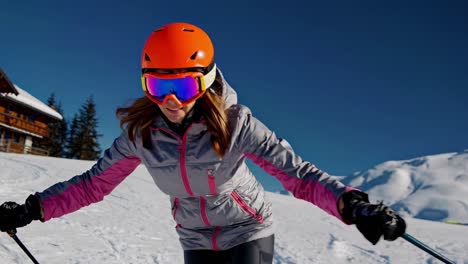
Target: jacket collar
{"type": "Point", "coordinates": [193, 119]}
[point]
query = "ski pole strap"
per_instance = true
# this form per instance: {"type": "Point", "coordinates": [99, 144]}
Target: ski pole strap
{"type": "Point", "coordinates": [424, 247]}
{"type": "Point", "coordinates": [12, 234]}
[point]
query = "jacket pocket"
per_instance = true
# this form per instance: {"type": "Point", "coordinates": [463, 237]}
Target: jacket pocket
{"type": "Point", "coordinates": [245, 207]}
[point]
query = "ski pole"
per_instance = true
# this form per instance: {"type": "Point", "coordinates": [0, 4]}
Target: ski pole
{"type": "Point", "coordinates": [12, 234]}
{"type": "Point", "coordinates": [424, 247]}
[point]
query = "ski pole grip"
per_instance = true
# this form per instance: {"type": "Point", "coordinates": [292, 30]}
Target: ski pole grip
{"type": "Point", "coordinates": [12, 232]}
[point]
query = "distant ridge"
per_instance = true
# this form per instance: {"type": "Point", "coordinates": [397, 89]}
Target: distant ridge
{"type": "Point", "coordinates": [432, 187]}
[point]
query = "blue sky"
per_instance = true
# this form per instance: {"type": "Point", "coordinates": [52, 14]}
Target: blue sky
{"type": "Point", "coordinates": [349, 85]}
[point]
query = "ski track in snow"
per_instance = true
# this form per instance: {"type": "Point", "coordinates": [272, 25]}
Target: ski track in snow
{"type": "Point", "coordinates": [133, 225]}
{"type": "Point", "coordinates": [344, 251]}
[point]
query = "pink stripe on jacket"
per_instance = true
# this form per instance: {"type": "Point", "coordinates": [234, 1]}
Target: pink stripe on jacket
{"type": "Point", "coordinates": [88, 190]}
{"type": "Point", "coordinates": [308, 190]}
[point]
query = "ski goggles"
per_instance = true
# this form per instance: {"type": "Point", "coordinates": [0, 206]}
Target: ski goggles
{"type": "Point", "coordinates": [183, 88]}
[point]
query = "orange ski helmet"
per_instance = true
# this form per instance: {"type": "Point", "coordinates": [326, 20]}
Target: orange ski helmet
{"type": "Point", "coordinates": [178, 46]}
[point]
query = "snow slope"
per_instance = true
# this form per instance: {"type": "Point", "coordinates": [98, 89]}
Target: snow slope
{"type": "Point", "coordinates": [133, 225]}
{"type": "Point", "coordinates": [431, 187]}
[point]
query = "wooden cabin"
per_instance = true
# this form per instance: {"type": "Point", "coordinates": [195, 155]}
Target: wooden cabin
{"type": "Point", "coordinates": [23, 120]}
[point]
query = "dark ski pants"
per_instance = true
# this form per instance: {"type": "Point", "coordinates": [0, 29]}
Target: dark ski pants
{"type": "Point", "coordinates": [259, 251]}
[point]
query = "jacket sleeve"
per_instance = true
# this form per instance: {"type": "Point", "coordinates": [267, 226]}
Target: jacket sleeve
{"type": "Point", "coordinates": [90, 187]}
{"type": "Point", "coordinates": [276, 157]}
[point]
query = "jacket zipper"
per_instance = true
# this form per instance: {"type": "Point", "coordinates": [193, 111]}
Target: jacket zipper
{"type": "Point", "coordinates": [183, 169]}
{"type": "Point", "coordinates": [182, 148]}
{"type": "Point", "coordinates": [211, 181]}
{"type": "Point", "coordinates": [203, 211]}
{"type": "Point", "coordinates": [214, 243]}
{"type": "Point", "coordinates": [249, 210]}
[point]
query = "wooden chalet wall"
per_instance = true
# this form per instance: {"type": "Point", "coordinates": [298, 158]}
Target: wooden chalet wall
{"type": "Point", "coordinates": [18, 116]}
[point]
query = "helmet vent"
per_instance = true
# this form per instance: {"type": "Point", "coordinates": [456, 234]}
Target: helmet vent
{"type": "Point", "coordinates": [188, 30]}
{"type": "Point", "coordinates": [194, 55]}
{"type": "Point", "coordinates": [147, 58]}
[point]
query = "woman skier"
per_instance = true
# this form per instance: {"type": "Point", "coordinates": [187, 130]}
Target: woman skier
{"type": "Point", "coordinates": [194, 139]}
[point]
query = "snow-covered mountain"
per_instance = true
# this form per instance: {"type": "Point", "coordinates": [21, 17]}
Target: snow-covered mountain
{"type": "Point", "coordinates": [134, 225]}
{"type": "Point", "coordinates": [431, 187]}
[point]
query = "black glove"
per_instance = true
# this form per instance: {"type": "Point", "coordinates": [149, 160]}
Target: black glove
{"type": "Point", "coordinates": [372, 220]}
{"type": "Point", "coordinates": [13, 215]}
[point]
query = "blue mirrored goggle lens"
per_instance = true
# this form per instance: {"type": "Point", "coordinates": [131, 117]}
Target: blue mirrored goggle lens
{"type": "Point", "coordinates": [183, 88]}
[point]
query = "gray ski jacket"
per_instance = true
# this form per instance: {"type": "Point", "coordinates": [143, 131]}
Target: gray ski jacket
{"type": "Point", "coordinates": [217, 203]}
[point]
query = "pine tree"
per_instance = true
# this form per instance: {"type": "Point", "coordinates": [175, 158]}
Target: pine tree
{"type": "Point", "coordinates": [72, 143]}
{"type": "Point", "coordinates": [57, 130]}
{"type": "Point", "coordinates": [88, 145]}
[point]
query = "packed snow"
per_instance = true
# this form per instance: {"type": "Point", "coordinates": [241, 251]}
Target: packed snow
{"type": "Point", "coordinates": [134, 225]}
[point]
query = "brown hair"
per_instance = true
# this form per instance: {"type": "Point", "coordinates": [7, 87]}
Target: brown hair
{"type": "Point", "coordinates": [139, 116]}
